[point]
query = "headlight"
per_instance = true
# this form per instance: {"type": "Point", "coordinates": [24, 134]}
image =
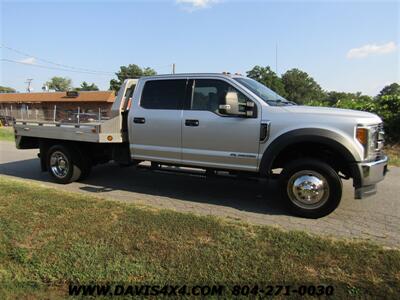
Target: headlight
{"type": "Point", "coordinates": [371, 138]}
{"type": "Point", "coordinates": [362, 136]}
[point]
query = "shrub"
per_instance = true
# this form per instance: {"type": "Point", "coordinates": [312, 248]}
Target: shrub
{"type": "Point", "coordinates": [357, 104]}
{"type": "Point", "coordinates": [317, 103]}
{"type": "Point", "coordinates": [387, 107]}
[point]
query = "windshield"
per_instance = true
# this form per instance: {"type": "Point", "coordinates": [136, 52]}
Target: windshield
{"type": "Point", "coordinates": [266, 94]}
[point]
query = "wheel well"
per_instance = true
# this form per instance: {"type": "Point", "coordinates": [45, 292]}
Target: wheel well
{"type": "Point", "coordinates": [320, 151]}
{"type": "Point", "coordinates": [46, 144]}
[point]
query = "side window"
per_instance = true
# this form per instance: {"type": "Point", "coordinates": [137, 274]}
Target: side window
{"type": "Point", "coordinates": [163, 94]}
{"type": "Point", "coordinates": [209, 94]}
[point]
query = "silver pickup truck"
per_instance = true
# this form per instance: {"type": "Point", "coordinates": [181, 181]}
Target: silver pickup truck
{"type": "Point", "coordinates": [221, 123]}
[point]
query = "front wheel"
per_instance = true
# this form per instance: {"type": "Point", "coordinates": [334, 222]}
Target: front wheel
{"type": "Point", "coordinates": [310, 188]}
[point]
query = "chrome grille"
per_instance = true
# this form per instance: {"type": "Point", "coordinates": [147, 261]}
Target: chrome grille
{"type": "Point", "coordinates": [379, 138]}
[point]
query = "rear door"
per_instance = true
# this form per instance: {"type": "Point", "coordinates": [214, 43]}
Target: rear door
{"type": "Point", "coordinates": [156, 117]}
{"type": "Point", "coordinates": [215, 140]}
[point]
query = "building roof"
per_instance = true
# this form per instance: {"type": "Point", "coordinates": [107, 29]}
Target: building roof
{"type": "Point", "coordinates": [92, 96]}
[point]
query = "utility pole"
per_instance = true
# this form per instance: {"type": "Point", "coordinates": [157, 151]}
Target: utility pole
{"type": "Point", "coordinates": [276, 58]}
{"type": "Point", "coordinates": [173, 68]}
{"type": "Point", "coordinates": [28, 81]}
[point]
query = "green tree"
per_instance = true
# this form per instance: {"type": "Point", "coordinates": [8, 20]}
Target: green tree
{"type": "Point", "coordinates": [59, 84]}
{"type": "Point", "coordinates": [87, 87]}
{"type": "Point", "coordinates": [333, 98]}
{"type": "Point", "coordinates": [269, 78]}
{"type": "Point", "coordinates": [390, 90]}
{"type": "Point", "coordinates": [6, 89]}
{"type": "Point", "coordinates": [300, 87]}
{"type": "Point", "coordinates": [388, 108]}
{"type": "Point", "coordinates": [364, 103]}
{"type": "Point", "coordinates": [130, 71]}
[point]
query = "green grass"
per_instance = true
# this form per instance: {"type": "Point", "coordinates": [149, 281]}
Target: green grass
{"type": "Point", "coordinates": [49, 238]}
{"type": "Point", "coordinates": [6, 134]}
{"type": "Point", "coordinates": [394, 154]}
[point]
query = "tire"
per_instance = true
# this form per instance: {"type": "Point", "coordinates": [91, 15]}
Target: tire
{"type": "Point", "coordinates": [310, 188]}
{"type": "Point", "coordinates": [62, 164]}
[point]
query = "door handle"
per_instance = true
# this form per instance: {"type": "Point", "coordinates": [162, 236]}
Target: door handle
{"type": "Point", "coordinates": [192, 123]}
{"type": "Point", "coordinates": [139, 120]}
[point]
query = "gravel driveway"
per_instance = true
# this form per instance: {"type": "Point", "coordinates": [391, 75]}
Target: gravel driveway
{"type": "Point", "coordinates": [376, 218]}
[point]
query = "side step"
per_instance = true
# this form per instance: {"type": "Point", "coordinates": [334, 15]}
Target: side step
{"type": "Point", "coordinates": [203, 173]}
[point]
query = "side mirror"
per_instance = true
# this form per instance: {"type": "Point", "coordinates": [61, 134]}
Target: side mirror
{"type": "Point", "coordinates": [249, 108]}
{"type": "Point", "coordinates": [233, 107]}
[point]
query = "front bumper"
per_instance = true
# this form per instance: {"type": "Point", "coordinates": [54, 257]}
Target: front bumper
{"type": "Point", "coordinates": [371, 173]}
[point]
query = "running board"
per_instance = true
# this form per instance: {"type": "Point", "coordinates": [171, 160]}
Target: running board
{"type": "Point", "coordinates": [202, 173]}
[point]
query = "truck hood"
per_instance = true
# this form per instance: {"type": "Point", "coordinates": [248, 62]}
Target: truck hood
{"type": "Point", "coordinates": [361, 116]}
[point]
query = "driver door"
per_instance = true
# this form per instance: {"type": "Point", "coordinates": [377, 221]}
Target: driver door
{"type": "Point", "coordinates": [214, 139]}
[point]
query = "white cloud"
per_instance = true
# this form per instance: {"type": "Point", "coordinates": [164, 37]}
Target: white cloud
{"type": "Point", "coordinates": [369, 49]}
{"type": "Point", "coordinates": [28, 60]}
{"type": "Point", "coordinates": [192, 5]}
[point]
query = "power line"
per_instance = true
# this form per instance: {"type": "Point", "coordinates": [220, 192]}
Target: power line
{"type": "Point", "coordinates": [61, 69]}
{"type": "Point", "coordinates": [54, 63]}
{"type": "Point", "coordinates": [64, 67]}
{"type": "Point", "coordinates": [51, 68]}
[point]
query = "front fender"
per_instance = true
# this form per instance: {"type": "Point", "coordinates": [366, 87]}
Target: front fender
{"type": "Point", "coordinates": [325, 137]}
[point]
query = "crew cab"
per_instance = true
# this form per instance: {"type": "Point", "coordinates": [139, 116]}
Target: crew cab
{"type": "Point", "coordinates": [221, 122]}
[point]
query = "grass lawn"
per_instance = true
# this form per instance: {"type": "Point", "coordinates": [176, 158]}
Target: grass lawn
{"type": "Point", "coordinates": [49, 238]}
{"type": "Point", "coordinates": [394, 154]}
{"type": "Point", "coordinates": [6, 134]}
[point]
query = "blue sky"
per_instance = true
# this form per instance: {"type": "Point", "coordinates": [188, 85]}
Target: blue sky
{"type": "Point", "coordinates": [202, 36]}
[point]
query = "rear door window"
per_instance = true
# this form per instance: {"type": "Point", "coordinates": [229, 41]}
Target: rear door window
{"type": "Point", "coordinates": [163, 94]}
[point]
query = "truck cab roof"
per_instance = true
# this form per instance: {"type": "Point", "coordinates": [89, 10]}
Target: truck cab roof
{"type": "Point", "coordinates": [189, 75]}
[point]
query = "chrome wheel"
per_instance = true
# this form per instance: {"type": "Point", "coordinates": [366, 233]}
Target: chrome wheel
{"type": "Point", "coordinates": [308, 189]}
{"type": "Point", "coordinates": [59, 164]}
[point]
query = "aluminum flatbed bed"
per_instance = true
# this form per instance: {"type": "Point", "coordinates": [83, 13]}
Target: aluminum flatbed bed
{"type": "Point", "coordinates": [95, 132]}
